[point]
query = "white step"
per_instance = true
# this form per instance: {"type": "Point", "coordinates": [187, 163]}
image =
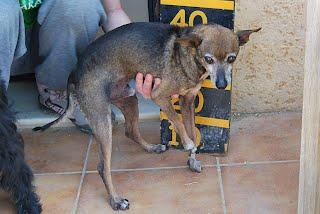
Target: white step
{"type": "Point", "coordinates": [24, 98]}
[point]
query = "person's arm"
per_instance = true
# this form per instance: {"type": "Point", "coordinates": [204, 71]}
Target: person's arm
{"type": "Point", "coordinates": [116, 18]}
{"type": "Point", "coordinates": [115, 13]}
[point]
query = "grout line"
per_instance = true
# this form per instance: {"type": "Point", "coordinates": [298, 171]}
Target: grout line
{"type": "Point", "coordinates": [83, 173]}
{"type": "Point", "coordinates": [151, 169]}
{"type": "Point", "coordinates": [274, 162]}
{"type": "Point", "coordinates": [221, 186]}
{"type": "Point", "coordinates": [58, 173]}
{"type": "Point", "coordinates": [233, 164]}
{"type": "Point", "coordinates": [121, 170]}
{"type": "Point", "coordinates": [175, 167]}
{"type": "Point", "coordinates": [247, 163]}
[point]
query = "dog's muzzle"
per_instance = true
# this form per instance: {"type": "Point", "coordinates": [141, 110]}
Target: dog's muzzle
{"type": "Point", "coordinates": [221, 82]}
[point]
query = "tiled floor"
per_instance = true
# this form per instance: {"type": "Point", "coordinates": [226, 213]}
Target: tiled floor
{"type": "Point", "coordinates": [259, 174]}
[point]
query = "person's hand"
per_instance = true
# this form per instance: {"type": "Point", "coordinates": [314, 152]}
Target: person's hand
{"type": "Point", "coordinates": [145, 87]}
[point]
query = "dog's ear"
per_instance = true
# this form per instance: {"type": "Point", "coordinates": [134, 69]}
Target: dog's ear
{"type": "Point", "coordinates": [244, 35]}
{"type": "Point", "coordinates": [189, 40]}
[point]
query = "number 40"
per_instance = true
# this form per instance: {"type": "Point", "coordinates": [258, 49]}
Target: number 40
{"type": "Point", "coordinates": [180, 18]}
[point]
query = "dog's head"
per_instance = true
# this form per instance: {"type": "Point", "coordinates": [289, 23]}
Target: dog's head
{"type": "Point", "coordinates": [216, 48]}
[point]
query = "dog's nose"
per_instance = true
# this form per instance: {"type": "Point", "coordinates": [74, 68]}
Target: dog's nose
{"type": "Point", "coordinates": [221, 83]}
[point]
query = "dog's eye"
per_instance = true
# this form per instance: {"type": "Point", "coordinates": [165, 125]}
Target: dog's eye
{"type": "Point", "coordinates": [209, 59]}
{"type": "Point", "coordinates": [231, 59]}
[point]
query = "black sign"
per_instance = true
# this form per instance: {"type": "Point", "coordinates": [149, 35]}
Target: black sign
{"type": "Point", "coordinates": [212, 106]}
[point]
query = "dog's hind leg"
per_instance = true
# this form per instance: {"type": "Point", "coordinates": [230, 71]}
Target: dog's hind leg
{"type": "Point", "coordinates": [99, 116]}
{"type": "Point", "coordinates": [129, 108]}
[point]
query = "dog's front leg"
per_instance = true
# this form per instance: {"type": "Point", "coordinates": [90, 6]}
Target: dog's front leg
{"type": "Point", "coordinates": [187, 112]}
{"type": "Point", "coordinates": [167, 108]}
{"type": "Point", "coordinates": [162, 97]}
{"type": "Point", "coordinates": [188, 144]}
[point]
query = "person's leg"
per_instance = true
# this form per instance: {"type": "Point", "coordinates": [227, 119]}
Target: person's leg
{"type": "Point", "coordinates": [12, 36]}
{"type": "Point", "coordinates": [67, 28]}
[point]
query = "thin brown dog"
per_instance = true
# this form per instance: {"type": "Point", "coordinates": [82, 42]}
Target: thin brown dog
{"type": "Point", "coordinates": [181, 57]}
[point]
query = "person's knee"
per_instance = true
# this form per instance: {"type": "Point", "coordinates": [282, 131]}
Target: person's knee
{"type": "Point", "coordinates": [75, 12]}
{"type": "Point", "coordinates": [9, 11]}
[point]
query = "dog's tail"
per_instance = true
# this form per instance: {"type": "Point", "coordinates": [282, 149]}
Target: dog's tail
{"type": "Point", "coordinates": [71, 103]}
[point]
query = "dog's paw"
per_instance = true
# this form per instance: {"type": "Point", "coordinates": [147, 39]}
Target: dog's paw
{"type": "Point", "coordinates": [119, 203]}
{"type": "Point", "coordinates": [194, 165]}
{"type": "Point", "coordinates": [158, 148]}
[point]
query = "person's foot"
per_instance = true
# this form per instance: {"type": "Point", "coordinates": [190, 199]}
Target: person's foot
{"type": "Point", "coordinates": [56, 101]}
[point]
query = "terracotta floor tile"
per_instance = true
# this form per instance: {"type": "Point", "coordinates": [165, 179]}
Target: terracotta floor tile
{"type": "Point", "coordinates": [263, 189]}
{"type": "Point", "coordinates": [265, 138]}
{"type": "Point", "coordinates": [55, 150]}
{"type": "Point", "coordinates": [6, 206]}
{"type": "Point", "coordinates": [57, 192]}
{"type": "Point", "coordinates": [130, 155]}
{"type": "Point", "coordinates": [158, 191]}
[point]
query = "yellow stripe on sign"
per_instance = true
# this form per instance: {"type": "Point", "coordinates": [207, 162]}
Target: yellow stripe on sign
{"type": "Point", "coordinates": [208, 84]}
{"type": "Point", "coordinates": [204, 121]}
{"type": "Point", "coordinates": [213, 4]}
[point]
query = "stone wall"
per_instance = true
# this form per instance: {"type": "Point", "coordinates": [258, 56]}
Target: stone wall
{"type": "Point", "coordinates": [268, 74]}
